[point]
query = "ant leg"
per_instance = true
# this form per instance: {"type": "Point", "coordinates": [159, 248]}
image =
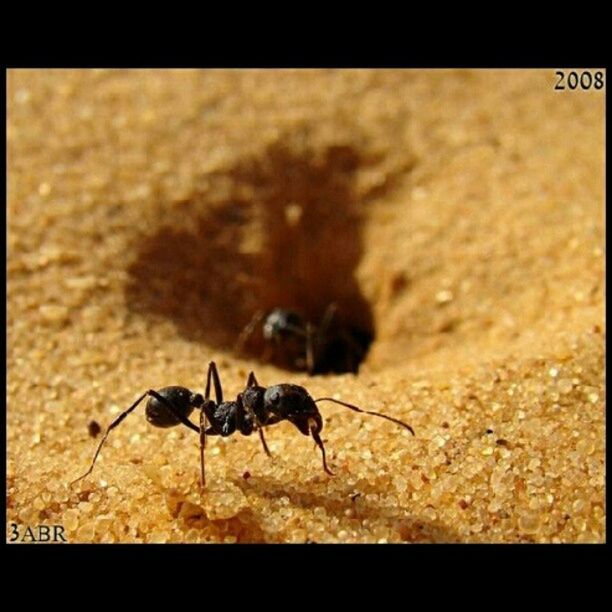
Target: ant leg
{"type": "Point", "coordinates": [247, 331]}
{"type": "Point", "coordinates": [173, 409]}
{"type": "Point", "coordinates": [124, 414]}
{"type": "Point", "coordinates": [319, 442]}
{"type": "Point", "coordinates": [315, 338]}
{"type": "Point", "coordinates": [263, 440]}
{"type": "Point", "coordinates": [212, 371]}
{"type": "Point", "coordinates": [310, 349]}
{"type": "Point", "coordinates": [202, 447]}
{"type": "Point", "coordinates": [355, 352]}
{"type": "Point", "coordinates": [330, 313]}
{"type": "Point", "coordinates": [110, 427]}
{"type": "Point", "coordinates": [201, 430]}
{"type": "Point", "coordinates": [216, 382]}
{"type": "Point", "coordinates": [214, 374]}
{"type": "Point", "coordinates": [252, 382]}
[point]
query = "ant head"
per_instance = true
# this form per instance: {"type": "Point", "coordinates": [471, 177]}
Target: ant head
{"type": "Point", "coordinates": [281, 322]}
{"type": "Point", "coordinates": [293, 403]}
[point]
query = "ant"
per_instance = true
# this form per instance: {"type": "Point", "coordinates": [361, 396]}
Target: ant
{"type": "Point", "coordinates": [254, 408]}
{"type": "Point", "coordinates": [300, 345]}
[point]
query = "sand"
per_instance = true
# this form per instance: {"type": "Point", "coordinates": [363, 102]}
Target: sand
{"type": "Point", "coordinates": [457, 215]}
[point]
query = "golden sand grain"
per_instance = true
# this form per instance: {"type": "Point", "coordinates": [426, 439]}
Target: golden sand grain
{"type": "Point", "coordinates": [458, 214]}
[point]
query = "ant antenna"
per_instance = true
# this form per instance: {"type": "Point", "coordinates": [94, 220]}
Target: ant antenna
{"type": "Point", "coordinates": [248, 330]}
{"type": "Point", "coordinates": [357, 409]}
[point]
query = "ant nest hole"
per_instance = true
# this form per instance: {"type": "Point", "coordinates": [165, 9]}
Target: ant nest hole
{"type": "Point", "coordinates": [262, 260]}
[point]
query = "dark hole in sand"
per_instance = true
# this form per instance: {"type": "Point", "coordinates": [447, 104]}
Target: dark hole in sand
{"type": "Point", "coordinates": [280, 230]}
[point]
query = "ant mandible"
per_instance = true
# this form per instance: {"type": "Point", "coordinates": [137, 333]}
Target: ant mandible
{"type": "Point", "coordinates": [254, 408]}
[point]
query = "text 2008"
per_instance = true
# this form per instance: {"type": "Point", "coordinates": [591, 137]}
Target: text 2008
{"type": "Point", "coordinates": [585, 80]}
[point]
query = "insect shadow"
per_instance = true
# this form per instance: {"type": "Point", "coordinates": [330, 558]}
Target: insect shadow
{"type": "Point", "coordinates": [280, 230]}
{"type": "Point", "coordinates": [411, 528]}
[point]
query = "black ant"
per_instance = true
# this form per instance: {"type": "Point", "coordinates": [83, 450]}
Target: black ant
{"type": "Point", "coordinates": [295, 343]}
{"type": "Point", "coordinates": [255, 408]}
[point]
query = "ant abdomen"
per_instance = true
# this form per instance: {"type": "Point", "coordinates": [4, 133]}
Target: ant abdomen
{"type": "Point", "coordinates": [182, 399]}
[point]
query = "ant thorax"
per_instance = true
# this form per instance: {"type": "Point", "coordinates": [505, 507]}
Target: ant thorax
{"type": "Point", "coordinates": [252, 398]}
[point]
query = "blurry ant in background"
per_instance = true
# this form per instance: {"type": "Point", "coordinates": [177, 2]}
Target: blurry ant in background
{"type": "Point", "coordinates": [254, 408]}
{"type": "Point", "coordinates": [296, 344]}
